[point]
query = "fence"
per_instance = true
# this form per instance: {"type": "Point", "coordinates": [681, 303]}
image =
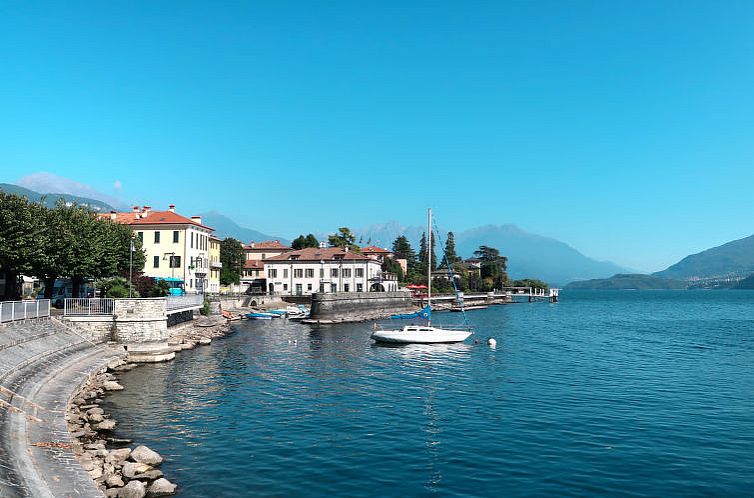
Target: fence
{"type": "Point", "coordinates": [187, 301]}
{"type": "Point", "coordinates": [88, 306]}
{"type": "Point", "coordinates": [11, 311]}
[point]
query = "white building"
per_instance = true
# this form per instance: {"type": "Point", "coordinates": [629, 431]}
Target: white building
{"type": "Point", "coordinates": [332, 269]}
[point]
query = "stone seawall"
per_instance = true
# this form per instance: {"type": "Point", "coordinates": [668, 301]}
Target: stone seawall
{"type": "Point", "coordinates": [358, 306]}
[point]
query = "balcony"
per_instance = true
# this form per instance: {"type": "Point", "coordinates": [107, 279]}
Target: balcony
{"type": "Point", "coordinates": [215, 264]}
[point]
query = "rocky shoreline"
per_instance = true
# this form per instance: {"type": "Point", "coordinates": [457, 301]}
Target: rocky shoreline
{"type": "Point", "coordinates": [116, 468]}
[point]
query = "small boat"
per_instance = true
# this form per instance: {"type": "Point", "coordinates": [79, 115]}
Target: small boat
{"type": "Point", "coordinates": [261, 316]}
{"type": "Point", "coordinates": [277, 312]}
{"type": "Point", "coordinates": [424, 334]}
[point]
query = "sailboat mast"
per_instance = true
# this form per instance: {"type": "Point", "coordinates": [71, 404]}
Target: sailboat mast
{"type": "Point", "coordinates": [429, 261]}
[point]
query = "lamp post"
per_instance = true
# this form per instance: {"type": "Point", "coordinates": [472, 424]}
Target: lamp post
{"type": "Point", "coordinates": [131, 269]}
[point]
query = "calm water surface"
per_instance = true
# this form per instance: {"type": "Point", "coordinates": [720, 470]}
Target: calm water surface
{"type": "Point", "coordinates": [626, 393]}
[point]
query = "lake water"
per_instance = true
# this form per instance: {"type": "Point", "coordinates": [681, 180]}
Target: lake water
{"type": "Point", "coordinates": [627, 393]}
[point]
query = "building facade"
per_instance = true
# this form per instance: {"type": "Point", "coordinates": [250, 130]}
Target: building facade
{"type": "Point", "coordinates": [175, 246]}
{"type": "Point", "coordinates": [332, 269]}
{"type": "Point", "coordinates": [255, 253]}
{"type": "Point", "coordinates": [214, 264]}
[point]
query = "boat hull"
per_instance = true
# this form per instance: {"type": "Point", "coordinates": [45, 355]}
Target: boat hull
{"type": "Point", "coordinates": [433, 336]}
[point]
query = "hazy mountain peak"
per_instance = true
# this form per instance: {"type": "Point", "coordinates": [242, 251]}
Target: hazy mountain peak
{"type": "Point", "coordinates": [50, 183]}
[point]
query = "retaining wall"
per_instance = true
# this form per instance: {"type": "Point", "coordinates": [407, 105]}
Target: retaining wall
{"type": "Point", "coordinates": [357, 306]}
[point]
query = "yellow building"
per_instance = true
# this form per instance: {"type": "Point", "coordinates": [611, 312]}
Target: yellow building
{"type": "Point", "coordinates": [175, 246]}
{"type": "Point", "coordinates": [214, 264]}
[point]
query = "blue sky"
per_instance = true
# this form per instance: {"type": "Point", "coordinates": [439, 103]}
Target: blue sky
{"type": "Point", "coordinates": [622, 128]}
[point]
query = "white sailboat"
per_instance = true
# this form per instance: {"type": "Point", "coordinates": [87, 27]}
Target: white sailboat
{"type": "Point", "coordinates": [424, 334]}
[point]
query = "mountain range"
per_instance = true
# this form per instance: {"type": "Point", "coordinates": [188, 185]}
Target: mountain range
{"type": "Point", "coordinates": [529, 255]}
{"type": "Point", "coordinates": [51, 199]}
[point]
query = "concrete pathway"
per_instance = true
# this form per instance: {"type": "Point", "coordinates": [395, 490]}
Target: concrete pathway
{"type": "Point", "coordinates": [47, 379]}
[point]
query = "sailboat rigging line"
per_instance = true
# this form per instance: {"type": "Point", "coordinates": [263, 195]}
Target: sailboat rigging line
{"type": "Point", "coordinates": [450, 270]}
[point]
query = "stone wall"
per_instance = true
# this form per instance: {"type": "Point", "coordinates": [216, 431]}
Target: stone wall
{"type": "Point", "coordinates": [140, 324]}
{"type": "Point", "coordinates": [357, 306]}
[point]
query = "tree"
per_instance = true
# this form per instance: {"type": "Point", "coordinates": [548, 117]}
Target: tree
{"type": "Point", "coordinates": [403, 250]}
{"type": "Point", "coordinates": [232, 259]}
{"type": "Point", "coordinates": [450, 250]}
{"type": "Point", "coordinates": [390, 265]}
{"type": "Point", "coordinates": [493, 268]}
{"type": "Point", "coordinates": [423, 253]}
{"type": "Point", "coordinates": [311, 241]}
{"type": "Point", "coordinates": [344, 238]}
{"type": "Point", "coordinates": [21, 228]}
{"type": "Point", "coordinates": [302, 241]}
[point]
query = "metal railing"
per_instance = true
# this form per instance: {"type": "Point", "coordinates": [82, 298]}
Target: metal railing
{"type": "Point", "coordinates": [11, 311]}
{"type": "Point", "coordinates": [187, 301]}
{"type": "Point", "coordinates": [88, 306]}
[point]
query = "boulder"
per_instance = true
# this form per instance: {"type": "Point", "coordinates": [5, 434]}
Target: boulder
{"type": "Point", "coordinates": [105, 425]}
{"type": "Point", "coordinates": [111, 493]}
{"type": "Point", "coordinates": [118, 456]}
{"type": "Point", "coordinates": [96, 472]}
{"type": "Point", "coordinates": [113, 481]}
{"type": "Point", "coordinates": [134, 489]}
{"type": "Point", "coordinates": [96, 409]}
{"type": "Point", "coordinates": [111, 385]}
{"type": "Point", "coordinates": [161, 487]}
{"type": "Point", "coordinates": [143, 454]}
{"type": "Point", "coordinates": [96, 417]}
{"type": "Point", "coordinates": [149, 476]}
{"type": "Point", "coordinates": [130, 469]}
{"type": "Point", "coordinates": [94, 446]}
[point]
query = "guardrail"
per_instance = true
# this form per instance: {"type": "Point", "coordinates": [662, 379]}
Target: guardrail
{"type": "Point", "coordinates": [187, 301]}
{"type": "Point", "coordinates": [88, 306]}
{"type": "Point", "coordinates": [11, 311]}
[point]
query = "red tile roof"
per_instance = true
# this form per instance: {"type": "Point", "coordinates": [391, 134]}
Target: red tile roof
{"type": "Point", "coordinates": [374, 249]}
{"type": "Point", "coordinates": [266, 244]}
{"type": "Point", "coordinates": [152, 218]}
{"type": "Point", "coordinates": [318, 254]}
{"type": "Point", "coordinates": [253, 264]}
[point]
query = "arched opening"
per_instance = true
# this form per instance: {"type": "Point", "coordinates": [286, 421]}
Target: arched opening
{"type": "Point", "coordinates": [377, 287]}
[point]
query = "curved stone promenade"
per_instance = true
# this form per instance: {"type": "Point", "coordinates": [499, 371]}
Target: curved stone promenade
{"type": "Point", "coordinates": [41, 365]}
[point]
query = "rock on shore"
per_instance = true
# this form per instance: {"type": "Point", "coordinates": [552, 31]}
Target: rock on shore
{"type": "Point", "coordinates": [123, 472]}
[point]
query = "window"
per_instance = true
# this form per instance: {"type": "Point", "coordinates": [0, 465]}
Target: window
{"type": "Point", "coordinates": [322, 287]}
{"type": "Point", "coordinates": [191, 283]}
{"type": "Point", "coordinates": [322, 274]}
{"type": "Point", "coordinates": [156, 262]}
{"type": "Point", "coordinates": [175, 261]}
{"type": "Point", "coordinates": [346, 288]}
{"type": "Point", "coordinates": [310, 273]}
{"type": "Point", "coordinates": [309, 287]}
{"type": "Point", "coordinates": [272, 273]}
{"type": "Point", "coordinates": [359, 288]}
{"type": "Point", "coordinates": [359, 272]}
{"type": "Point", "coordinates": [285, 287]}
{"type": "Point", "coordinates": [334, 287]}
{"type": "Point", "coordinates": [175, 236]}
{"type": "Point", "coordinates": [346, 273]}
{"type": "Point", "coordinates": [298, 273]}
{"type": "Point", "coordinates": [299, 289]}
{"type": "Point", "coordinates": [141, 236]}
{"type": "Point", "coordinates": [192, 240]}
{"type": "Point", "coordinates": [334, 272]}
{"type": "Point", "coordinates": [157, 237]}
{"type": "Point", "coordinates": [285, 272]}
{"type": "Point", "coordinates": [264, 256]}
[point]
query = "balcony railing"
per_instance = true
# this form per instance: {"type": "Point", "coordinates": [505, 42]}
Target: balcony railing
{"type": "Point", "coordinates": [88, 306]}
{"type": "Point", "coordinates": [215, 264]}
{"type": "Point", "coordinates": [11, 311]}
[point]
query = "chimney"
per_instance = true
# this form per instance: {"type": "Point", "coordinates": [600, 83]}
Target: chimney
{"type": "Point", "coordinates": [197, 219]}
{"type": "Point", "coordinates": [251, 244]}
{"type": "Point", "coordinates": [323, 245]}
{"type": "Point", "coordinates": [171, 208]}
{"type": "Point", "coordinates": [345, 249]}
{"type": "Point", "coordinates": [136, 209]}
{"type": "Point", "coordinates": [113, 215]}
{"type": "Point", "coordinates": [145, 211]}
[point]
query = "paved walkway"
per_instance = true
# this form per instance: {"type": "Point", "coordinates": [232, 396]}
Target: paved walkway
{"type": "Point", "coordinates": [47, 379]}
